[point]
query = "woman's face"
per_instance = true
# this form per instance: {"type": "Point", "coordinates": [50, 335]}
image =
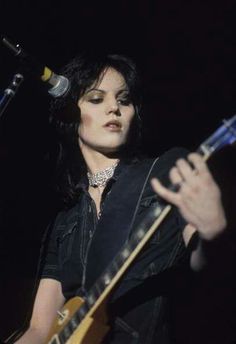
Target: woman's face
{"type": "Point", "coordinates": [106, 114]}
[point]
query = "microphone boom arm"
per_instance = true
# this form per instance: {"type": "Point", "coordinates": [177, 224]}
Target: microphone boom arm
{"type": "Point", "coordinates": [59, 85]}
{"type": "Point", "coordinates": [10, 92]}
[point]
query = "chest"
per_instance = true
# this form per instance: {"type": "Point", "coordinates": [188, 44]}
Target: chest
{"type": "Point", "coordinates": [97, 197]}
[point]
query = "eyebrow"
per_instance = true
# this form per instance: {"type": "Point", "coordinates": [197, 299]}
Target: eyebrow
{"type": "Point", "coordinates": [102, 91]}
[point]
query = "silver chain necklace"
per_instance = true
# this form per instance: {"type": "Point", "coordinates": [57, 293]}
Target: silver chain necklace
{"type": "Point", "coordinates": [101, 178]}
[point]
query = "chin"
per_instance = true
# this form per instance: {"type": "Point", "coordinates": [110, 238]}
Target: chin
{"type": "Point", "coordinates": [112, 145]}
{"type": "Point", "coordinates": [107, 147]}
{"type": "Point", "coordinates": [109, 150]}
{"type": "Point", "coordinates": [112, 149]}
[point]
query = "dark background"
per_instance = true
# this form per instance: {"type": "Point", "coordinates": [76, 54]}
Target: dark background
{"type": "Point", "coordinates": [186, 52]}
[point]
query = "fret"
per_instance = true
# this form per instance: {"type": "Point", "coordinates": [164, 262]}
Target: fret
{"type": "Point", "coordinates": [134, 240]}
{"type": "Point", "coordinates": [140, 233]}
{"type": "Point", "coordinates": [62, 339]}
{"type": "Point", "coordinates": [113, 267]}
{"type": "Point", "coordinates": [152, 215]}
{"type": "Point", "coordinates": [124, 254]}
{"type": "Point", "coordinates": [231, 126]}
{"type": "Point", "coordinates": [158, 209]}
{"type": "Point", "coordinates": [74, 320]}
{"type": "Point", "coordinates": [67, 331]}
{"type": "Point", "coordinates": [102, 282]}
{"type": "Point", "coordinates": [99, 285]}
{"type": "Point", "coordinates": [212, 145]}
{"type": "Point", "coordinates": [108, 274]}
{"type": "Point", "coordinates": [204, 150]}
{"type": "Point", "coordinates": [224, 135]}
{"type": "Point", "coordinates": [91, 298]}
{"type": "Point", "coordinates": [107, 277]}
{"type": "Point", "coordinates": [95, 292]}
{"type": "Point", "coordinates": [83, 310]}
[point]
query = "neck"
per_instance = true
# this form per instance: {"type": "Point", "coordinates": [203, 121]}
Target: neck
{"type": "Point", "coordinates": [97, 161]}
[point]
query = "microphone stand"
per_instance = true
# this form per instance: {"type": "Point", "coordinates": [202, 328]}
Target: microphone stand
{"type": "Point", "coordinates": [10, 92]}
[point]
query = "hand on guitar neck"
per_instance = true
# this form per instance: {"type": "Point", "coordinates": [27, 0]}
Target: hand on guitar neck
{"type": "Point", "coordinates": [198, 197]}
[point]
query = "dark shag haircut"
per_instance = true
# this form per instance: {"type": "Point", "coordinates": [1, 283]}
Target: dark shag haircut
{"type": "Point", "coordinates": [83, 71]}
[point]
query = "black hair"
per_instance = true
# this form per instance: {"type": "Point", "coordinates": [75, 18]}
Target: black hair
{"type": "Point", "coordinates": [83, 71]}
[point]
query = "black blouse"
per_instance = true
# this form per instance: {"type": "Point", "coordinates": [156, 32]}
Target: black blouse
{"type": "Point", "coordinates": [79, 247]}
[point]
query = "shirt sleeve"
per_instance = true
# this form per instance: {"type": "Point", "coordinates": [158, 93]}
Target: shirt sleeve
{"type": "Point", "coordinates": [48, 262]}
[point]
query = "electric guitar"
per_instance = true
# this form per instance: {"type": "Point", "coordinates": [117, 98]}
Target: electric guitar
{"type": "Point", "coordinates": [84, 321]}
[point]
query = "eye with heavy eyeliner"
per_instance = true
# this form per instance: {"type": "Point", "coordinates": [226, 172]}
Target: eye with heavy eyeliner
{"type": "Point", "coordinates": [97, 97]}
{"type": "Point", "coordinates": [124, 100]}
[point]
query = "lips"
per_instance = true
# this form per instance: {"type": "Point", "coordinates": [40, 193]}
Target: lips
{"type": "Point", "coordinates": [113, 124]}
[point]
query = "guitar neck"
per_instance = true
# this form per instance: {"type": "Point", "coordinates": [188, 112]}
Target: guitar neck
{"type": "Point", "coordinates": [224, 135]}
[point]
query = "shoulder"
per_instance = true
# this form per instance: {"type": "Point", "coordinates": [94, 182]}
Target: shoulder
{"type": "Point", "coordinates": [176, 153]}
{"type": "Point", "coordinates": [169, 158]}
{"type": "Point", "coordinates": [164, 162]}
{"type": "Point", "coordinates": [136, 174]}
{"type": "Point", "coordinates": [65, 218]}
{"type": "Point", "coordinates": [158, 167]}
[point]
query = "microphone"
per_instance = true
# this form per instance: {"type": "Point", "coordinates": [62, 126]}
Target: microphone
{"type": "Point", "coordinates": [60, 85]}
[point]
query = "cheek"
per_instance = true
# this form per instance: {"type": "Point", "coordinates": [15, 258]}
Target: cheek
{"type": "Point", "coordinates": [85, 120]}
{"type": "Point", "coordinates": [85, 125]}
{"type": "Point", "coordinates": [130, 118]}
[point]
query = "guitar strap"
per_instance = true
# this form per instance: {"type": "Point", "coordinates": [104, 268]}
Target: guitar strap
{"type": "Point", "coordinates": [118, 216]}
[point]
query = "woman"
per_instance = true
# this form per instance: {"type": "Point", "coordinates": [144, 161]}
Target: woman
{"type": "Point", "coordinates": [107, 192]}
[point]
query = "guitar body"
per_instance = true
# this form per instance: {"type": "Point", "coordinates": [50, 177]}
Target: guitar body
{"type": "Point", "coordinates": [91, 330]}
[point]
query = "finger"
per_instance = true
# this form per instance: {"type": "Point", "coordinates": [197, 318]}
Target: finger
{"type": "Point", "coordinates": [175, 179]}
{"type": "Point", "coordinates": [185, 170]}
{"type": "Point", "coordinates": [166, 194]}
{"type": "Point", "coordinates": [175, 176]}
{"type": "Point", "coordinates": [198, 163]}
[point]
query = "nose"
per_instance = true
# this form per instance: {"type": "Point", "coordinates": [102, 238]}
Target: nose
{"type": "Point", "coordinates": [113, 107]}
